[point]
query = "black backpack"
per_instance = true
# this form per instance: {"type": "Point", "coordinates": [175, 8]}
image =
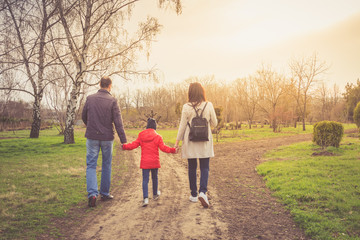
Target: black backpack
{"type": "Point", "coordinates": [199, 130]}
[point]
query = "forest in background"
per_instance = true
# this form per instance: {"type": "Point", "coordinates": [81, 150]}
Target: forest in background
{"type": "Point", "coordinates": [264, 98]}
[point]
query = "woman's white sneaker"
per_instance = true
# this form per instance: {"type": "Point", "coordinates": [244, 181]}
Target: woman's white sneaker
{"type": "Point", "coordinates": [146, 202]}
{"type": "Point", "coordinates": [156, 197]}
{"type": "Point", "coordinates": [193, 199]}
{"type": "Point", "coordinates": [204, 200]}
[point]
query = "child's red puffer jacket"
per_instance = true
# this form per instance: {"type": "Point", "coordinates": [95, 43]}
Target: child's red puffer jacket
{"type": "Point", "coordinates": [150, 142]}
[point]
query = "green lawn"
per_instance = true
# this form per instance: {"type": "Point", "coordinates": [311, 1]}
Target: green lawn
{"type": "Point", "coordinates": [39, 179]}
{"type": "Point", "coordinates": [169, 135]}
{"type": "Point", "coordinates": [244, 134]}
{"type": "Point", "coordinates": [322, 192]}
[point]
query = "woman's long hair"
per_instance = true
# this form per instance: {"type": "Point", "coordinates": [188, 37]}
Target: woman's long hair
{"type": "Point", "coordinates": [196, 94]}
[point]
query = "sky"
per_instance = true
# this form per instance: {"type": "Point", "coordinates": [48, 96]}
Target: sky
{"type": "Point", "coordinates": [233, 38]}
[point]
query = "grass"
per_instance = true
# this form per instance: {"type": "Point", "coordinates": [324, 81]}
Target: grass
{"type": "Point", "coordinates": [247, 134]}
{"type": "Point", "coordinates": [322, 192]}
{"type": "Point", "coordinates": [244, 134]}
{"type": "Point", "coordinates": [39, 179]}
{"type": "Point", "coordinates": [169, 135]}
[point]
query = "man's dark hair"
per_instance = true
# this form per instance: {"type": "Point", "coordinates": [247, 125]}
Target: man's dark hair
{"type": "Point", "coordinates": [105, 82]}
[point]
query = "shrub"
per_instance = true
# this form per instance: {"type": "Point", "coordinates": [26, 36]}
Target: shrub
{"type": "Point", "coordinates": [328, 133]}
{"type": "Point", "coordinates": [356, 115]}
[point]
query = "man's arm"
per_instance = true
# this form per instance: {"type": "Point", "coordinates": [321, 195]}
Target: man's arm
{"type": "Point", "coordinates": [84, 113]}
{"type": "Point", "coordinates": [118, 122]}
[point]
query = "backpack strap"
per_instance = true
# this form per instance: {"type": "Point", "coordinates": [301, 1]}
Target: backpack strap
{"type": "Point", "coordinates": [203, 109]}
{"type": "Point", "coordinates": [196, 111]}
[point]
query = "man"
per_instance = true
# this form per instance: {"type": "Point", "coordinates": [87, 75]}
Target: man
{"type": "Point", "coordinates": [100, 112]}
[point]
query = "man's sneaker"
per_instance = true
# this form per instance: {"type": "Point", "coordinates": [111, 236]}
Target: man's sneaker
{"type": "Point", "coordinates": [193, 199]}
{"type": "Point", "coordinates": [92, 201]}
{"type": "Point", "coordinates": [156, 197]}
{"type": "Point", "coordinates": [107, 197]}
{"type": "Point", "coordinates": [204, 200]}
{"type": "Point", "coordinates": [146, 202]}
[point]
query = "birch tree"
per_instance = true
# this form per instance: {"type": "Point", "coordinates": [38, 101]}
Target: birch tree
{"type": "Point", "coordinates": [24, 28]}
{"type": "Point", "coordinates": [99, 44]}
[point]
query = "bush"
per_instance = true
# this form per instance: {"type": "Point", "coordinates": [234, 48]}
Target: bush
{"type": "Point", "coordinates": [356, 115]}
{"type": "Point", "coordinates": [328, 133]}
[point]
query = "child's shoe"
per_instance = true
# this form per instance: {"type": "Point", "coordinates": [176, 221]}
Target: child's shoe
{"type": "Point", "coordinates": [156, 197]}
{"type": "Point", "coordinates": [146, 202]}
{"type": "Point", "coordinates": [204, 200]}
{"type": "Point", "coordinates": [193, 199]}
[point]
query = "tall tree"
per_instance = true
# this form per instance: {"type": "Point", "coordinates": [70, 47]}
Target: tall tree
{"type": "Point", "coordinates": [99, 44]}
{"type": "Point", "coordinates": [271, 87]}
{"type": "Point", "coordinates": [352, 97]}
{"type": "Point", "coordinates": [248, 97]}
{"type": "Point", "coordinates": [24, 37]}
{"type": "Point", "coordinates": [305, 74]}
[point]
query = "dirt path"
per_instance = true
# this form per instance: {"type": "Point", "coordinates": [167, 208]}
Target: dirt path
{"type": "Point", "coordinates": [241, 205]}
{"type": "Point", "coordinates": [173, 216]}
{"type": "Point", "coordinates": [246, 204]}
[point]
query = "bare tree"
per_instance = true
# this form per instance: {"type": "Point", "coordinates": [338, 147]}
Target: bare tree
{"type": "Point", "coordinates": [329, 101]}
{"type": "Point", "coordinates": [323, 95]}
{"type": "Point", "coordinates": [99, 44]}
{"type": "Point", "coordinates": [138, 100]}
{"type": "Point", "coordinates": [56, 96]}
{"type": "Point", "coordinates": [24, 29]}
{"type": "Point", "coordinates": [305, 74]}
{"type": "Point", "coordinates": [247, 97]}
{"type": "Point", "coordinates": [271, 87]}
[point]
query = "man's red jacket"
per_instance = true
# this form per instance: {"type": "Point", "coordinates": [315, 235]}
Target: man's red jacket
{"type": "Point", "coordinates": [150, 142]}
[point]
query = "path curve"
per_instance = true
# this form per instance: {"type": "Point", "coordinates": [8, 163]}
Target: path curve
{"type": "Point", "coordinates": [246, 204]}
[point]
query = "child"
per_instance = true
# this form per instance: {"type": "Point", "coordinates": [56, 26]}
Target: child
{"type": "Point", "coordinates": [150, 142]}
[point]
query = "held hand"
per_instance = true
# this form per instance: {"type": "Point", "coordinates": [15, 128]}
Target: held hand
{"type": "Point", "coordinates": [177, 144]}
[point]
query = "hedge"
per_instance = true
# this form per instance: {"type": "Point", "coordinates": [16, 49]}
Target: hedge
{"type": "Point", "coordinates": [328, 133]}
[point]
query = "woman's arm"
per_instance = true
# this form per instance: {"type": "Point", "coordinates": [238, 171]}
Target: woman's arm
{"type": "Point", "coordinates": [213, 120]}
{"type": "Point", "coordinates": [182, 125]}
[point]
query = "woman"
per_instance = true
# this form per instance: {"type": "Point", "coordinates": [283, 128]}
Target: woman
{"type": "Point", "coordinates": [197, 150]}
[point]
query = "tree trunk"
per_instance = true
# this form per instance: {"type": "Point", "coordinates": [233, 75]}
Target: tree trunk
{"type": "Point", "coordinates": [304, 129]}
{"type": "Point", "coordinates": [36, 124]}
{"type": "Point", "coordinates": [303, 120]}
{"type": "Point", "coordinates": [274, 126]}
{"type": "Point", "coordinates": [304, 114]}
{"type": "Point", "coordinates": [71, 116]}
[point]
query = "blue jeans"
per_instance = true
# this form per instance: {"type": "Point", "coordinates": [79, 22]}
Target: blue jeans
{"type": "Point", "coordinates": [204, 175]}
{"type": "Point", "coordinates": [92, 153]}
{"type": "Point", "coordinates": [154, 177]}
